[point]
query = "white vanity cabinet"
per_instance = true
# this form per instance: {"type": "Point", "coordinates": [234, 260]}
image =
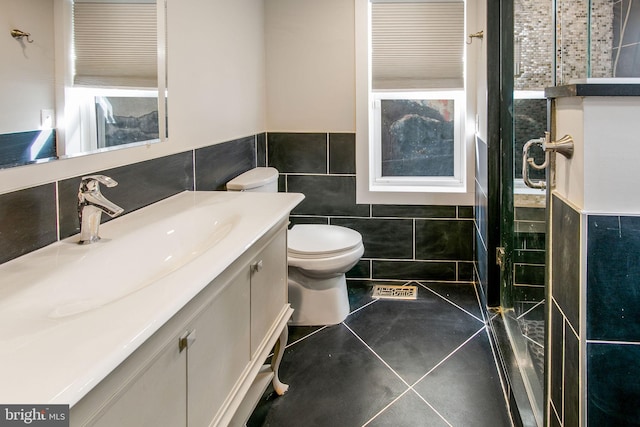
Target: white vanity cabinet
{"type": "Point", "coordinates": [205, 365]}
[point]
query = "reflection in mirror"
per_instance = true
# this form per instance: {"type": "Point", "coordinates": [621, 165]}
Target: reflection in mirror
{"type": "Point", "coordinates": [95, 70]}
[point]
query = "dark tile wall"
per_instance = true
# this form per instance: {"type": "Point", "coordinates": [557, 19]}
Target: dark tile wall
{"type": "Point", "coordinates": [613, 392]}
{"type": "Point", "coordinates": [611, 257]}
{"type": "Point", "coordinates": [28, 220]}
{"type": "Point", "coordinates": [613, 319]}
{"type": "Point", "coordinates": [529, 257]}
{"type": "Point", "coordinates": [564, 348]}
{"type": "Point", "coordinates": [613, 274]}
{"type": "Point", "coordinates": [28, 217]}
{"type": "Point", "coordinates": [402, 242]}
{"type": "Point", "coordinates": [218, 164]}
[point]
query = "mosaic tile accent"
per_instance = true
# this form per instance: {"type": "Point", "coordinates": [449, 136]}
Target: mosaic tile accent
{"type": "Point", "coordinates": [533, 44]}
{"type": "Point", "coordinates": [574, 33]}
{"type": "Point", "coordinates": [601, 33]}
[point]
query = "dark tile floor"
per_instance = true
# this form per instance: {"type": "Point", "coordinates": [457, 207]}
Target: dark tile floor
{"type": "Point", "coordinates": [424, 362]}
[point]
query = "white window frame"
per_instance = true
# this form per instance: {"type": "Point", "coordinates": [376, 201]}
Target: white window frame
{"type": "Point", "coordinates": [368, 190]}
{"type": "Point", "coordinates": [81, 102]}
{"type": "Point", "coordinates": [453, 183]}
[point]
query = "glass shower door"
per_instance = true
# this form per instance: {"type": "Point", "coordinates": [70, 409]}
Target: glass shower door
{"type": "Point", "coordinates": [523, 294]}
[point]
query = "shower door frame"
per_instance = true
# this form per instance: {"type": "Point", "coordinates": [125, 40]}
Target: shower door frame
{"type": "Point", "coordinates": [500, 215]}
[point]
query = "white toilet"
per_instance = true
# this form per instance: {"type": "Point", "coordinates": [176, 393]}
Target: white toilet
{"type": "Point", "coordinates": [319, 255]}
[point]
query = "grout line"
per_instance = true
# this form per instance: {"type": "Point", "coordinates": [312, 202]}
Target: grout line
{"type": "Point", "coordinates": [526, 337]}
{"type": "Point", "coordinates": [306, 336]}
{"type": "Point", "coordinates": [531, 309]}
{"type": "Point", "coordinates": [479, 301]}
{"type": "Point", "coordinates": [431, 406]}
{"type": "Point", "coordinates": [448, 356]}
{"type": "Point", "coordinates": [376, 354]}
{"type": "Point", "coordinates": [452, 303]}
{"type": "Point", "coordinates": [498, 362]}
{"type": "Point", "coordinates": [364, 306]}
{"type": "Point", "coordinates": [193, 169]}
{"type": "Point", "coordinates": [328, 154]}
{"type": "Point", "coordinates": [386, 407]}
{"type": "Point", "coordinates": [564, 316]}
{"type": "Point", "coordinates": [413, 237]}
{"type": "Point", "coordinates": [255, 144]}
{"type": "Point", "coordinates": [57, 196]}
{"type": "Point", "coordinates": [324, 327]}
{"type": "Point", "coordinates": [409, 387]}
{"type": "Point", "coordinates": [612, 342]}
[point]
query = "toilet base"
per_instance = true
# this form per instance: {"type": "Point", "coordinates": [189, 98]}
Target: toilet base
{"type": "Point", "coordinates": [317, 301]}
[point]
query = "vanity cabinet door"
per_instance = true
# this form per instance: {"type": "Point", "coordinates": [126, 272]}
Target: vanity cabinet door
{"type": "Point", "coordinates": [268, 288]}
{"type": "Point", "coordinates": [156, 397]}
{"type": "Point", "coordinates": [219, 352]}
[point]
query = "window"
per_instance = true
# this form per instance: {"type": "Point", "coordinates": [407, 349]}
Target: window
{"type": "Point", "coordinates": [115, 84]}
{"type": "Point", "coordinates": [416, 140]}
{"type": "Point", "coordinates": [414, 123]}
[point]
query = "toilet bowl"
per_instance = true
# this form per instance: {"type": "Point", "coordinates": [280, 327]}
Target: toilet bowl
{"type": "Point", "coordinates": [318, 257]}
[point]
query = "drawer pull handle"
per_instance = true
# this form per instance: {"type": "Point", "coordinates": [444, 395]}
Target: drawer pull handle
{"type": "Point", "coordinates": [186, 340]}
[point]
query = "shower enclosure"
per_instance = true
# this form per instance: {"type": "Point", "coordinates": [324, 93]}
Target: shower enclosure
{"type": "Point", "coordinates": [553, 43]}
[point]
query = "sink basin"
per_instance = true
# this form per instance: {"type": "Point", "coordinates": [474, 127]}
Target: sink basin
{"type": "Point", "coordinates": [170, 244]}
{"type": "Point", "coordinates": [130, 256]}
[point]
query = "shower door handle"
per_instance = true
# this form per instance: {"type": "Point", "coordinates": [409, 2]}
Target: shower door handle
{"type": "Point", "coordinates": [529, 161]}
{"type": "Point", "coordinates": [563, 146]}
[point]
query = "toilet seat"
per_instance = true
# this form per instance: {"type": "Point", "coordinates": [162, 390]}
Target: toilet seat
{"type": "Point", "coordinates": [319, 241]}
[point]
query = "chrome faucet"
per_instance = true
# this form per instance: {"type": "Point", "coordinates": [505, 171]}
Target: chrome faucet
{"type": "Point", "coordinates": [91, 204]}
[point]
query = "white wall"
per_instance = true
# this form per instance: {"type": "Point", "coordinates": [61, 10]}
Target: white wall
{"type": "Point", "coordinates": [310, 65]}
{"type": "Point", "coordinates": [601, 177]}
{"type": "Point", "coordinates": [477, 65]}
{"type": "Point", "coordinates": [216, 81]}
{"type": "Point", "coordinates": [216, 70]}
{"type": "Point", "coordinates": [26, 69]}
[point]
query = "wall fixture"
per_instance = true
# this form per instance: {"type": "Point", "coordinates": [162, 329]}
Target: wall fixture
{"type": "Point", "coordinates": [478, 35]}
{"type": "Point", "coordinates": [19, 35]}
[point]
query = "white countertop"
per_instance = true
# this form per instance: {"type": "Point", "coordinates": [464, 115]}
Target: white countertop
{"type": "Point", "coordinates": [55, 351]}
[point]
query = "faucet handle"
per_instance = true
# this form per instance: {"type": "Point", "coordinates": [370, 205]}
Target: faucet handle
{"type": "Point", "coordinates": [102, 179]}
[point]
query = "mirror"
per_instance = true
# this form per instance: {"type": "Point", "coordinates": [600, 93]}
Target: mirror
{"type": "Point", "coordinates": [79, 77]}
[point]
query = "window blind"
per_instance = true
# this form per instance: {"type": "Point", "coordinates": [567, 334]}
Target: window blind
{"type": "Point", "coordinates": [115, 43]}
{"type": "Point", "coordinates": [417, 45]}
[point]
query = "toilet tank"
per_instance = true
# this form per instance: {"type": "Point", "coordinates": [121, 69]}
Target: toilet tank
{"type": "Point", "coordinates": [263, 180]}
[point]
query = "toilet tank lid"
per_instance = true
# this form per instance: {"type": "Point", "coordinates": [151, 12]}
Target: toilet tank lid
{"type": "Point", "coordinates": [253, 178]}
